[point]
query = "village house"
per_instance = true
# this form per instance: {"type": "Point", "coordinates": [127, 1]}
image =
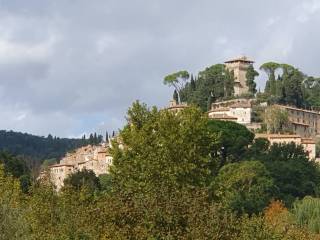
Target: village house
{"type": "Point", "coordinates": [236, 110]}
{"type": "Point", "coordinates": [304, 122]}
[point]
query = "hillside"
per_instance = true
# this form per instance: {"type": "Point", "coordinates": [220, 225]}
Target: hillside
{"type": "Point", "coordinates": [38, 148]}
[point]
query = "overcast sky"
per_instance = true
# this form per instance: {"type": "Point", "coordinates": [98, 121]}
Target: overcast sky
{"type": "Point", "coordinates": [69, 67]}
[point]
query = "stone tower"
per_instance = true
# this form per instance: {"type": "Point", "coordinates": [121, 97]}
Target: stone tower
{"type": "Point", "coordinates": [239, 67]}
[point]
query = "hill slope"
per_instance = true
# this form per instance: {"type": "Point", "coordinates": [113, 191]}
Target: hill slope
{"type": "Point", "coordinates": [36, 147]}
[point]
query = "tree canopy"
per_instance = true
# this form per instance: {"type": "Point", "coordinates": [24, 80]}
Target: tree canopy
{"type": "Point", "coordinates": [245, 187]}
{"type": "Point", "coordinates": [291, 87]}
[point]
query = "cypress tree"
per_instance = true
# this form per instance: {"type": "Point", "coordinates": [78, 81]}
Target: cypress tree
{"type": "Point", "coordinates": [250, 76]}
{"type": "Point", "coordinates": [107, 137]}
{"type": "Point", "coordinates": [192, 83]}
{"type": "Point", "coordinates": [210, 101]}
{"type": "Point", "coordinates": [176, 96]}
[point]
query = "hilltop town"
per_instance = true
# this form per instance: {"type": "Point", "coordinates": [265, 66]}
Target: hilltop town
{"type": "Point", "coordinates": [302, 126]}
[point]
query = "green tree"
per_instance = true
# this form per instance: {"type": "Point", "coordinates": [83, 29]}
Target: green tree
{"type": "Point", "coordinates": [84, 178]}
{"type": "Point", "coordinates": [17, 167]}
{"type": "Point", "coordinates": [13, 224]}
{"type": "Point", "coordinates": [215, 81]}
{"type": "Point", "coordinates": [210, 101]}
{"type": "Point", "coordinates": [250, 76]}
{"type": "Point", "coordinates": [175, 96]}
{"type": "Point", "coordinates": [269, 68]}
{"type": "Point", "coordinates": [245, 187]}
{"type": "Point", "coordinates": [294, 174]}
{"type": "Point", "coordinates": [163, 149]}
{"type": "Point", "coordinates": [276, 120]}
{"type": "Point", "coordinates": [177, 80]}
{"type": "Point", "coordinates": [293, 88]}
{"type": "Point", "coordinates": [105, 182]}
{"type": "Point", "coordinates": [306, 213]}
{"type": "Point", "coordinates": [233, 140]}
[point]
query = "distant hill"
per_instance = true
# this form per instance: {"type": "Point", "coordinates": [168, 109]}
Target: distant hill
{"type": "Point", "coordinates": [39, 148]}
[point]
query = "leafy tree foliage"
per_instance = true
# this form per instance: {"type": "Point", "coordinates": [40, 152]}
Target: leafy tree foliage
{"type": "Point", "coordinates": [84, 178]}
{"type": "Point", "coordinates": [276, 120]}
{"type": "Point", "coordinates": [270, 68]}
{"type": "Point", "coordinates": [105, 182]}
{"type": "Point", "coordinates": [35, 149]}
{"type": "Point", "coordinates": [215, 82]}
{"type": "Point", "coordinates": [12, 221]}
{"type": "Point", "coordinates": [307, 213]}
{"type": "Point", "coordinates": [163, 149]}
{"type": "Point", "coordinates": [293, 173]}
{"type": "Point", "coordinates": [233, 140]}
{"type": "Point", "coordinates": [16, 167]}
{"type": "Point", "coordinates": [244, 187]}
{"type": "Point", "coordinates": [165, 165]}
{"type": "Point", "coordinates": [177, 80]}
{"type": "Point", "coordinates": [292, 87]}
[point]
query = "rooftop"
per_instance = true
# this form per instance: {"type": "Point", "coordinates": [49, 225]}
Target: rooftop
{"type": "Point", "coordinates": [240, 59]}
{"type": "Point", "coordinates": [267, 135]}
{"type": "Point", "coordinates": [297, 109]}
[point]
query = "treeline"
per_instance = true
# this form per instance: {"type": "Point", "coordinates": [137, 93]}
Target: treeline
{"type": "Point", "coordinates": [212, 84]}
{"type": "Point", "coordinates": [36, 149]}
{"type": "Point", "coordinates": [42, 147]}
{"type": "Point", "coordinates": [175, 176]}
{"type": "Point", "coordinates": [285, 85]}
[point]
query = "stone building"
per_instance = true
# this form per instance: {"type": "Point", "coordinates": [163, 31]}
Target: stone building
{"type": "Point", "coordinates": [239, 67]}
{"type": "Point", "coordinates": [236, 110]}
{"type": "Point", "coordinates": [95, 158]}
{"type": "Point", "coordinates": [308, 144]}
{"type": "Point", "coordinates": [305, 123]}
{"type": "Point", "coordinates": [176, 107]}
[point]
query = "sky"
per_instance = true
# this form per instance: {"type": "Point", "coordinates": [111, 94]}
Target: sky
{"type": "Point", "coordinates": [70, 67]}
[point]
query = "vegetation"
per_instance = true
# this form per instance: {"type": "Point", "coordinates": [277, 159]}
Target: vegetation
{"type": "Point", "coordinates": [172, 179]}
{"type": "Point", "coordinates": [276, 120]}
{"type": "Point", "coordinates": [250, 76]}
{"type": "Point", "coordinates": [306, 213]}
{"type": "Point", "coordinates": [17, 168]}
{"type": "Point", "coordinates": [286, 84]}
{"type": "Point", "coordinates": [291, 87]}
{"type": "Point", "coordinates": [178, 81]}
{"type": "Point", "coordinates": [34, 149]}
{"type": "Point", "coordinates": [83, 179]}
{"type": "Point", "coordinates": [211, 84]}
{"type": "Point", "coordinates": [244, 187]}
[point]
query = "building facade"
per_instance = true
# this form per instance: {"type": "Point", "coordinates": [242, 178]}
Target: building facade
{"type": "Point", "coordinates": [236, 110]}
{"type": "Point", "coordinates": [239, 67]}
{"type": "Point", "coordinates": [305, 123]}
{"type": "Point", "coordinates": [176, 107]}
